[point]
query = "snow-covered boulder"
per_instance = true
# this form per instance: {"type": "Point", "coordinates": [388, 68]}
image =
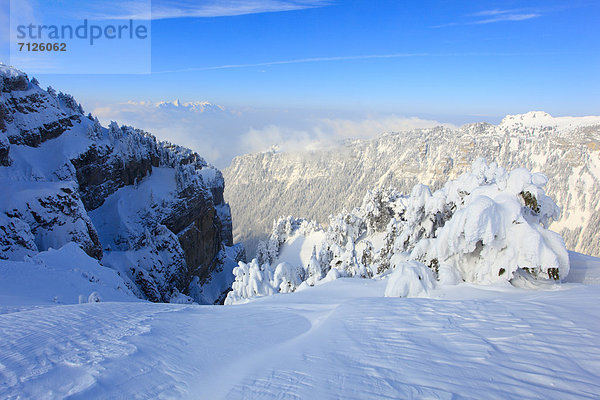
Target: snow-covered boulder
{"type": "Point", "coordinates": [409, 279]}
{"type": "Point", "coordinates": [179, 298]}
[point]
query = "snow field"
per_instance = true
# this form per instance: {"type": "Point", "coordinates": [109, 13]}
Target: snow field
{"type": "Point", "coordinates": [338, 340]}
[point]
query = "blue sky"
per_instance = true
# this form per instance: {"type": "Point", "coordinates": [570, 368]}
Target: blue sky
{"type": "Point", "coordinates": [446, 60]}
{"type": "Point", "coordinates": [488, 58]}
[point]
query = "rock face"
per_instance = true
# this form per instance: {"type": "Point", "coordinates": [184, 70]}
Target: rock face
{"type": "Point", "coordinates": [54, 215]}
{"type": "Point", "coordinates": [100, 174]}
{"type": "Point", "coordinates": [13, 81]}
{"type": "Point", "coordinates": [198, 229]}
{"type": "Point", "coordinates": [151, 210]}
{"type": "Point", "coordinates": [265, 186]}
{"type": "Point", "coordinates": [4, 147]}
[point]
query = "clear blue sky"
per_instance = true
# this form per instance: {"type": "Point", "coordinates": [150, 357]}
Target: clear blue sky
{"type": "Point", "coordinates": [446, 57]}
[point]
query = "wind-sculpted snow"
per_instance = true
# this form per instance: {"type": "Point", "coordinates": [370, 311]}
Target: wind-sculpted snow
{"type": "Point", "coordinates": [264, 186]}
{"type": "Point", "coordinates": [487, 226]}
{"type": "Point", "coordinates": [152, 210]}
{"type": "Point", "coordinates": [343, 340]}
{"type": "Point", "coordinates": [63, 276]}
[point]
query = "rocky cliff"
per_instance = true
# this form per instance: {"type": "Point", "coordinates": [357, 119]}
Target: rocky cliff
{"type": "Point", "coordinates": [152, 210]}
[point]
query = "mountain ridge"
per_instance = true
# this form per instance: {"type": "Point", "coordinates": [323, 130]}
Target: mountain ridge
{"type": "Point", "coordinates": [68, 179]}
{"type": "Point", "coordinates": [265, 186]}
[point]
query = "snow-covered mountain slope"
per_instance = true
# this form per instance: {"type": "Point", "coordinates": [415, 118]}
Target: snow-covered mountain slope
{"type": "Point", "coordinates": [265, 186]}
{"type": "Point", "coordinates": [151, 210]}
{"type": "Point", "coordinates": [338, 340]}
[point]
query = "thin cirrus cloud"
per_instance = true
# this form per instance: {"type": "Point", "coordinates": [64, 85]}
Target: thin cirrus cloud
{"type": "Point", "coordinates": [162, 9]}
{"type": "Point", "coordinates": [341, 58]}
{"type": "Point", "coordinates": [495, 15]}
{"type": "Point", "coordinates": [491, 16]}
{"type": "Point", "coordinates": [297, 61]}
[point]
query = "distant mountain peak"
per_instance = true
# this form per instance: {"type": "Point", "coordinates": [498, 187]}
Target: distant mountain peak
{"type": "Point", "coordinates": [534, 119]}
{"type": "Point", "coordinates": [196, 106]}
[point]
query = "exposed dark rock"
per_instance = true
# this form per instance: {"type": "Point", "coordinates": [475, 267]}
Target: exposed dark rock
{"type": "Point", "coordinates": [99, 174]}
{"type": "Point", "coordinates": [96, 249]}
{"type": "Point", "coordinates": [176, 272]}
{"type": "Point", "coordinates": [146, 284]}
{"type": "Point", "coordinates": [194, 220]}
{"type": "Point", "coordinates": [2, 118]}
{"type": "Point", "coordinates": [4, 150]}
{"type": "Point", "coordinates": [35, 137]}
{"type": "Point", "coordinates": [4, 143]}
{"type": "Point", "coordinates": [4, 157]}
{"type": "Point", "coordinates": [224, 213]}
{"type": "Point", "coordinates": [26, 104]}
{"type": "Point", "coordinates": [12, 83]}
{"type": "Point", "coordinates": [33, 134]}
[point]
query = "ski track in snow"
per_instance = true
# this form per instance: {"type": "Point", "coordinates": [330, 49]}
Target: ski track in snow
{"type": "Point", "coordinates": [340, 340]}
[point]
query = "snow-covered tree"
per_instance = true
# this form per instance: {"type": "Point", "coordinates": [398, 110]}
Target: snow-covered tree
{"type": "Point", "coordinates": [345, 227]}
{"type": "Point", "coordinates": [114, 131]}
{"type": "Point", "coordinates": [314, 269]}
{"type": "Point", "coordinates": [94, 131]}
{"type": "Point", "coordinates": [287, 277]}
{"type": "Point", "coordinates": [251, 280]}
{"type": "Point", "coordinates": [376, 209]}
{"type": "Point", "coordinates": [496, 230]}
{"type": "Point", "coordinates": [69, 102]}
{"type": "Point", "coordinates": [367, 258]}
{"type": "Point", "coordinates": [267, 251]}
{"type": "Point", "coordinates": [485, 226]}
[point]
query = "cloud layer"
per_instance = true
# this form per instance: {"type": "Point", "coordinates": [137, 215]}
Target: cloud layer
{"type": "Point", "coordinates": [220, 133]}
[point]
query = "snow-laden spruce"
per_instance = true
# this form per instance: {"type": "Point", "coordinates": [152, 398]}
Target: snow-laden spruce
{"type": "Point", "coordinates": [480, 228]}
